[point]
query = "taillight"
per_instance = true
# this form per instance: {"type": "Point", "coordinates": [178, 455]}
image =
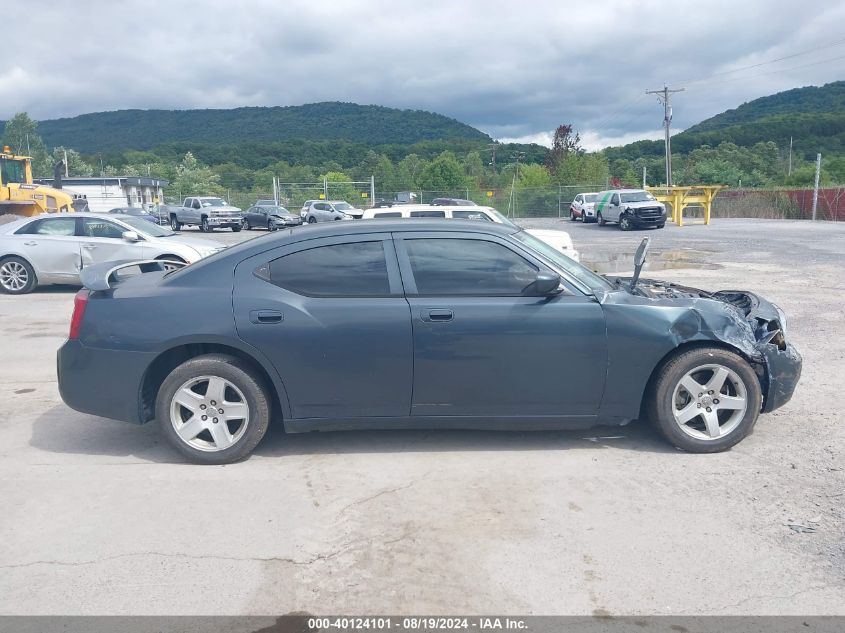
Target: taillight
{"type": "Point", "coordinates": [80, 302]}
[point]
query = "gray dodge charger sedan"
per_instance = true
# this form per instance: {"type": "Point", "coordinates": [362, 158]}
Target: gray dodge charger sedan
{"type": "Point", "coordinates": [396, 324]}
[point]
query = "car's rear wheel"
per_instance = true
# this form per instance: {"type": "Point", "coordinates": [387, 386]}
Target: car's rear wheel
{"type": "Point", "coordinates": [17, 276]}
{"type": "Point", "coordinates": [175, 224]}
{"type": "Point", "coordinates": [213, 409]}
{"type": "Point", "coordinates": [705, 400]}
{"type": "Point", "coordinates": [312, 220]}
{"type": "Point", "coordinates": [625, 223]}
{"type": "Point", "coordinates": [600, 219]}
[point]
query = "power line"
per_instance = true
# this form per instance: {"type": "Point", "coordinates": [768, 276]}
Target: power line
{"type": "Point", "coordinates": [771, 61]}
{"type": "Point", "coordinates": [779, 70]}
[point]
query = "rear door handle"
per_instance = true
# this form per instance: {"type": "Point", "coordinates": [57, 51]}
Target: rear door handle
{"type": "Point", "coordinates": [266, 316]}
{"type": "Point", "coordinates": [436, 315]}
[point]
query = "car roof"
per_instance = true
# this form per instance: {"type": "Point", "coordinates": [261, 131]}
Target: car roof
{"type": "Point", "coordinates": [405, 225]}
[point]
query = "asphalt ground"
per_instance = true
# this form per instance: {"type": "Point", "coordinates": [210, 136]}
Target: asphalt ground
{"type": "Point", "coordinates": [102, 517]}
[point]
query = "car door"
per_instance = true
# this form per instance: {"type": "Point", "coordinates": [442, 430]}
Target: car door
{"type": "Point", "coordinates": [102, 241]}
{"type": "Point", "coordinates": [614, 207]}
{"type": "Point", "coordinates": [329, 313]}
{"type": "Point", "coordinates": [481, 348]}
{"type": "Point", "coordinates": [52, 247]}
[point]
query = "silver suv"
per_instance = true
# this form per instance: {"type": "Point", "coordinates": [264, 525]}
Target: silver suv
{"type": "Point", "coordinates": [630, 208]}
{"type": "Point", "coordinates": [326, 210]}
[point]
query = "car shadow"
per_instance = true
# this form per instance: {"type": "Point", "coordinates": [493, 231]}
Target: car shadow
{"type": "Point", "coordinates": [64, 431]}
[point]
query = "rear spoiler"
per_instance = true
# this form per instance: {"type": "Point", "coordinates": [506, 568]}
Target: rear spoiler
{"type": "Point", "coordinates": [101, 276]}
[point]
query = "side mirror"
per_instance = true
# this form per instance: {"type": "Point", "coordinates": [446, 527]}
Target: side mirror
{"type": "Point", "coordinates": [131, 236]}
{"type": "Point", "coordinates": [546, 283]}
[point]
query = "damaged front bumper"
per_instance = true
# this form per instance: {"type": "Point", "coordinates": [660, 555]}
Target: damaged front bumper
{"type": "Point", "coordinates": [783, 369]}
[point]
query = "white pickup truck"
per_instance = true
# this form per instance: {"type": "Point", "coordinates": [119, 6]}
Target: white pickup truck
{"type": "Point", "coordinates": [207, 213]}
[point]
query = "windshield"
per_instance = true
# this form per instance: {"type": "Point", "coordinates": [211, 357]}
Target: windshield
{"type": "Point", "coordinates": [213, 202]}
{"type": "Point", "coordinates": [562, 262]}
{"type": "Point", "coordinates": [502, 219]}
{"type": "Point", "coordinates": [12, 170]}
{"type": "Point", "coordinates": [147, 228]}
{"type": "Point", "coordinates": [637, 196]}
{"type": "Point", "coordinates": [591, 197]}
{"type": "Point", "coordinates": [275, 209]}
{"type": "Point", "coordinates": [342, 206]}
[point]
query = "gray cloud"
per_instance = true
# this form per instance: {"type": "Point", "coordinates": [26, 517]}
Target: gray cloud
{"type": "Point", "coordinates": [511, 69]}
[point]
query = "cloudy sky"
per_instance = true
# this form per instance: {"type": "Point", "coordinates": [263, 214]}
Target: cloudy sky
{"type": "Point", "coordinates": [513, 69]}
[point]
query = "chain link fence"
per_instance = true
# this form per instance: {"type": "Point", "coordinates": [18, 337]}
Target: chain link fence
{"type": "Point", "coordinates": [554, 201]}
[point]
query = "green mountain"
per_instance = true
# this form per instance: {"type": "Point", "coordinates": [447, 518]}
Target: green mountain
{"type": "Point", "coordinates": [146, 129]}
{"type": "Point", "coordinates": [813, 116]}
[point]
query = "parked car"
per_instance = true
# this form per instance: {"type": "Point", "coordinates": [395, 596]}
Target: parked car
{"type": "Point", "coordinates": [452, 202]}
{"type": "Point", "coordinates": [208, 213]}
{"type": "Point", "coordinates": [162, 212]}
{"type": "Point", "coordinates": [51, 249]}
{"type": "Point", "coordinates": [328, 210]}
{"type": "Point", "coordinates": [583, 207]}
{"type": "Point", "coordinates": [554, 237]}
{"type": "Point", "coordinates": [135, 211]}
{"type": "Point", "coordinates": [630, 208]}
{"type": "Point", "coordinates": [269, 216]}
{"type": "Point", "coordinates": [312, 329]}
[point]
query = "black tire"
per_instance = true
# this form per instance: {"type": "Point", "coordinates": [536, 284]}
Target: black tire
{"type": "Point", "coordinates": [271, 225]}
{"type": "Point", "coordinates": [312, 220]}
{"type": "Point", "coordinates": [175, 224]}
{"type": "Point", "coordinates": [204, 226]}
{"type": "Point", "coordinates": [600, 219]}
{"type": "Point", "coordinates": [21, 277]}
{"type": "Point", "coordinates": [234, 371]}
{"type": "Point", "coordinates": [571, 215]}
{"type": "Point", "coordinates": [247, 225]}
{"type": "Point", "coordinates": [236, 228]}
{"type": "Point", "coordinates": [625, 223]}
{"type": "Point", "coordinates": [660, 404]}
{"type": "Point", "coordinates": [660, 226]}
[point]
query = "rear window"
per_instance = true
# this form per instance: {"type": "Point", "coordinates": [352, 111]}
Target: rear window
{"type": "Point", "coordinates": [428, 214]}
{"type": "Point", "coordinates": [358, 269]}
{"type": "Point", "coordinates": [591, 197]}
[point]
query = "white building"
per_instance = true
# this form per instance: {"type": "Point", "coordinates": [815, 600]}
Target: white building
{"type": "Point", "coordinates": [106, 193]}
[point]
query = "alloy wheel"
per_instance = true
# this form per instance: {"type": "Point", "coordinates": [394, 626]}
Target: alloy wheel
{"type": "Point", "coordinates": [709, 402]}
{"type": "Point", "coordinates": [209, 413]}
{"type": "Point", "coordinates": [13, 276]}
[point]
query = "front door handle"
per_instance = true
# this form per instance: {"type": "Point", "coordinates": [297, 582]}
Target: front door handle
{"type": "Point", "coordinates": [30, 243]}
{"type": "Point", "coordinates": [89, 247]}
{"type": "Point", "coordinates": [437, 315]}
{"type": "Point", "coordinates": [262, 317]}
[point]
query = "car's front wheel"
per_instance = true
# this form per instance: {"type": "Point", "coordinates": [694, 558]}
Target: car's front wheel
{"type": "Point", "coordinates": [705, 400]}
{"type": "Point", "coordinates": [213, 409]}
{"type": "Point", "coordinates": [17, 276]}
{"type": "Point", "coordinates": [571, 215]}
{"type": "Point", "coordinates": [625, 223]}
{"type": "Point", "coordinates": [312, 220]}
{"type": "Point", "coordinates": [247, 225]}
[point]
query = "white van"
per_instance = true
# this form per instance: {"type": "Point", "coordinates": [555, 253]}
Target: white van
{"type": "Point", "coordinates": [558, 239]}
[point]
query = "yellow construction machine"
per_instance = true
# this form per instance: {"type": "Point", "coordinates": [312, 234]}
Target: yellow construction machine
{"type": "Point", "coordinates": [20, 196]}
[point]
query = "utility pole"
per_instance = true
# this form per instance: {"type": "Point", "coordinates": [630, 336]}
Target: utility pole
{"type": "Point", "coordinates": [789, 170]}
{"type": "Point", "coordinates": [663, 97]}
{"type": "Point", "coordinates": [816, 185]}
{"type": "Point", "coordinates": [643, 175]}
{"type": "Point", "coordinates": [492, 147]}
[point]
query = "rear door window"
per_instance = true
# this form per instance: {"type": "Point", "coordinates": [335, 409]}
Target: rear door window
{"type": "Point", "coordinates": [388, 214]}
{"type": "Point", "coordinates": [50, 226]}
{"type": "Point", "coordinates": [356, 269]}
{"type": "Point", "coordinates": [428, 214]}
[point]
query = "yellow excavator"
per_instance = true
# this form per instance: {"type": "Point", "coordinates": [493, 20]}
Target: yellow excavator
{"type": "Point", "coordinates": [20, 196]}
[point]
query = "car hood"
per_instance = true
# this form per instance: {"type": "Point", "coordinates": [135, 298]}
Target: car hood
{"type": "Point", "coordinates": [285, 216]}
{"type": "Point", "coordinates": [646, 204]}
{"type": "Point", "coordinates": [194, 242]}
{"type": "Point", "coordinates": [224, 209]}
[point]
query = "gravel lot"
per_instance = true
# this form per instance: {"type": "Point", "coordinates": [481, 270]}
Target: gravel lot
{"type": "Point", "coordinates": [101, 517]}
